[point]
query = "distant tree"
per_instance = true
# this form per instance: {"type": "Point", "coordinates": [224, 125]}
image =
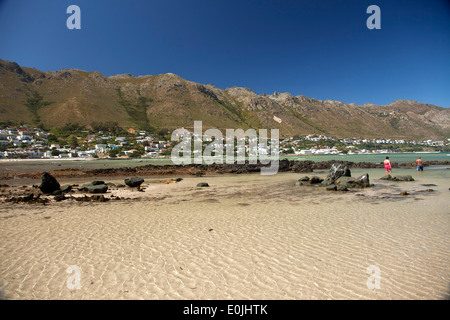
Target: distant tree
{"type": "Point", "coordinates": [55, 153]}
{"type": "Point", "coordinates": [114, 152]}
{"type": "Point", "coordinates": [73, 142]}
{"type": "Point", "coordinates": [52, 138]}
{"type": "Point", "coordinates": [111, 127]}
{"type": "Point", "coordinates": [135, 154]}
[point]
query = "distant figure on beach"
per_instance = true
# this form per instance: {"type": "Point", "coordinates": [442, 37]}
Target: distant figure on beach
{"type": "Point", "coordinates": [419, 163]}
{"type": "Point", "coordinates": [387, 166]}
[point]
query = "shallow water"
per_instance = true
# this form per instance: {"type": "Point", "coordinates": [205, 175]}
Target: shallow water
{"type": "Point", "coordinates": [48, 165]}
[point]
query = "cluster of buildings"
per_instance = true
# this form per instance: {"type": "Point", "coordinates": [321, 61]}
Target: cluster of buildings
{"type": "Point", "coordinates": [34, 143]}
{"type": "Point", "coordinates": [351, 145]}
{"type": "Point", "coordinates": [25, 142]}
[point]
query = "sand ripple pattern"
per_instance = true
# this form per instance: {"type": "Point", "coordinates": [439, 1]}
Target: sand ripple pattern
{"type": "Point", "coordinates": [228, 245]}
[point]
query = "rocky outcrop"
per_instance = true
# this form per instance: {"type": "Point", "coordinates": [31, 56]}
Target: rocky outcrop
{"type": "Point", "coordinates": [349, 182]}
{"type": "Point", "coordinates": [338, 179]}
{"type": "Point", "coordinates": [315, 180]}
{"type": "Point", "coordinates": [66, 188]}
{"type": "Point", "coordinates": [337, 170]}
{"type": "Point", "coordinates": [49, 184]}
{"type": "Point", "coordinates": [134, 182]}
{"type": "Point", "coordinates": [397, 178]}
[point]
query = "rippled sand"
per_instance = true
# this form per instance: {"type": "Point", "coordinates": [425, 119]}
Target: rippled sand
{"type": "Point", "coordinates": [244, 237]}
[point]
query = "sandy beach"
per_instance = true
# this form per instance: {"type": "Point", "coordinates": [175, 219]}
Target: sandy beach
{"type": "Point", "coordinates": [243, 237]}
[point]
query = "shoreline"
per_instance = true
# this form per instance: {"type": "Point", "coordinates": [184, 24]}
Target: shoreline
{"type": "Point", "coordinates": [285, 165]}
{"type": "Point", "coordinates": [287, 156]}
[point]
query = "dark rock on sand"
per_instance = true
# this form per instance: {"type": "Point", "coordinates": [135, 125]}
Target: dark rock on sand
{"type": "Point", "coordinates": [403, 178]}
{"type": "Point", "coordinates": [404, 193]}
{"type": "Point", "coordinates": [397, 178]}
{"type": "Point", "coordinates": [337, 170]}
{"type": "Point", "coordinates": [134, 182]}
{"type": "Point", "coordinates": [202, 184]}
{"type": "Point", "coordinates": [99, 198]}
{"type": "Point", "coordinates": [97, 182]}
{"type": "Point", "coordinates": [94, 188]}
{"type": "Point", "coordinates": [305, 178]}
{"type": "Point", "coordinates": [66, 188]}
{"type": "Point", "coordinates": [349, 182]}
{"type": "Point", "coordinates": [363, 180]}
{"type": "Point", "coordinates": [29, 198]}
{"type": "Point", "coordinates": [342, 188]}
{"type": "Point", "coordinates": [49, 183]}
{"type": "Point", "coordinates": [60, 197]}
{"type": "Point", "coordinates": [99, 188]}
{"type": "Point", "coordinates": [315, 180]}
{"type": "Point", "coordinates": [96, 198]}
{"type": "Point", "coordinates": [331, 187]}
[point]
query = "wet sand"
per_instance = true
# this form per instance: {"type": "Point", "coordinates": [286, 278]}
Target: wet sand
{"type": "Point", "coordinates": [244, 237]}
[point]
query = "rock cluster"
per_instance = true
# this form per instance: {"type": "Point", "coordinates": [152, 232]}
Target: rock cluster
{"type": "Point", "coordinates": [397, 178]}
{"type": "Point", "coordinates": [50, 189]}
{"type": "Point", "coordinates": [338, 179]}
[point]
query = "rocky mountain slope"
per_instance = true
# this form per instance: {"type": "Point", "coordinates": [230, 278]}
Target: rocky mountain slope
{"type": "Point", "coordinates": [55, 98]}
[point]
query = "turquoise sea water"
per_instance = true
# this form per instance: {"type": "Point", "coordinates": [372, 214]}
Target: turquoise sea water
{"type": "Point", "coordinates": [377, 158]}
{"type": "Point", "coordinates": [42, 165]}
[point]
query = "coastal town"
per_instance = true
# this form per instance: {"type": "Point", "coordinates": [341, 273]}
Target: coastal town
{"type": "Point", "coordinates": [26, 142]}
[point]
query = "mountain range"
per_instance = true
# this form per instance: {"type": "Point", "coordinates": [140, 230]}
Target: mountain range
{"type": "Point", "coordinates": [166, 101]}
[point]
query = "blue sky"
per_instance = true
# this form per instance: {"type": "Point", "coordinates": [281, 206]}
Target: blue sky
{"type": "Point", "coordinates": [317, 48]}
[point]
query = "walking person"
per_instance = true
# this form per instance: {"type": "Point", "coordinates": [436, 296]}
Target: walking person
{"type": "Point", "coordinates": [387, 166]}
{"type": "Point", "coordinates": [419, 163]}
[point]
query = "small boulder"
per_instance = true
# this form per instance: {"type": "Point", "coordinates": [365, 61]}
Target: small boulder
{"type": "Point", "coordinates": [315, 180]}
{"type": "Point", "coordinates": [134, 182]}
{"type": "Point", "coordinates": [337, 170]}
{"type": "Point", "coordinates": [66, 188]}
{"type": "Point", "coordinates": [56, 193]}
{"type": "Point", "coordinates": [49, 184]}
{"type": "Point", "coordinates": [97, 182]}
{"type": "Point", "coordinates": [304, 179]}
{"type": "Point", "coordinates": [332, 187]}
{"type": "Point", "coordinates": [349, 182]}
{"type": "Point", "coordinates": [363, 181]}
{"type": "Point", "coordinates": [403, 178]}
{"type": "Point", "coordinates": [99, 188]}
{"type": "Point", "coordinates": [202, 184]}
{"type": "Point", "coordinates": [60, 197]}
